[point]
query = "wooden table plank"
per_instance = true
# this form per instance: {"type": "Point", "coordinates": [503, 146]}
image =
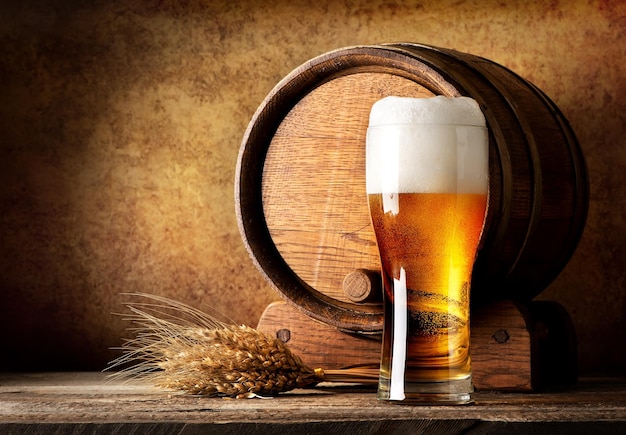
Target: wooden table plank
{"type": "Point", "coordinates": [88, 403]}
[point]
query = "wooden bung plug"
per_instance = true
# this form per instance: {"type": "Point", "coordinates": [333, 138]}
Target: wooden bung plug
{"type": "Point", "coordinates": [363, 286]}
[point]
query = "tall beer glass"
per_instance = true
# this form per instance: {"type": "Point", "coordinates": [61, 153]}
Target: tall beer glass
{"type": "Point", "coordinates": [427, 182]}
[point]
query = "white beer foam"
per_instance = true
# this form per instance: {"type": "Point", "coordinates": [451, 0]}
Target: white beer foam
{"type": "Point", "coordinates": [435, 110]}
{"type": "Point", "coordinates": [440, 151]}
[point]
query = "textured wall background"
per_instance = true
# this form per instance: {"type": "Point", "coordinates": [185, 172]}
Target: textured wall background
{"type": "Point", "coordinates": [120, 124]}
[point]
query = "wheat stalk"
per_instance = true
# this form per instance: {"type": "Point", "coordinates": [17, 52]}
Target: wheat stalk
{"type": "Point", "coordinates": [180, 347]}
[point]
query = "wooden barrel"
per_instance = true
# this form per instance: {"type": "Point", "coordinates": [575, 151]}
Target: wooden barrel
{"type": "Point", "coordinates": [300, 182]}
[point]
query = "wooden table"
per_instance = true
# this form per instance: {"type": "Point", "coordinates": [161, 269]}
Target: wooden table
{"type": "Point", "coordinates": [88, 403]}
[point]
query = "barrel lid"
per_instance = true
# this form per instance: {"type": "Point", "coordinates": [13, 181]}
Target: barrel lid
{"type": "Point", "coordinates": [300, 192]}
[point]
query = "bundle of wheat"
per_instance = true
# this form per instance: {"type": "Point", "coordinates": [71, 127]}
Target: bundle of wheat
{"type": "Point", "coordinates": [180, 347]}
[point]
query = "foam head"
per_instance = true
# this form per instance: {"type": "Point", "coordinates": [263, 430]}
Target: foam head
{"type": "Point", "coordinates": [424, 145]}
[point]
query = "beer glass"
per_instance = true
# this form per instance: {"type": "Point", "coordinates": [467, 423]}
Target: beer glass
{"type": "Point", "coordinates": [427, 183]}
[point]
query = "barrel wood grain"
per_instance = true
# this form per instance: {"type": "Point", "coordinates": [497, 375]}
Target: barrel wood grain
{"type": "Point", "coordinates": [314, 195]}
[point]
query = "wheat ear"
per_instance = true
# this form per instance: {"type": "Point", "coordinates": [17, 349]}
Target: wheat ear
{"type": "Point", "coordinates": [180, 347]}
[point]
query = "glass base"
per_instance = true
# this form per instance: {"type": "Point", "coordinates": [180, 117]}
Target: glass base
{"type": "Point", "coordinates": [451, 392]}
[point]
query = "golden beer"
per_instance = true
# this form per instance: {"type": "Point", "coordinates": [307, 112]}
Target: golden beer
{"type": "Point", "coordinates": [434, 235]}
{"type": "Point", "coordinates": [427, 194]}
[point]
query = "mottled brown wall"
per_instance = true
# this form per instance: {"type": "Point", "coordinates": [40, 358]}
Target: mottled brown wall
{"type": "Point", "coordinates": [120, 123]}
